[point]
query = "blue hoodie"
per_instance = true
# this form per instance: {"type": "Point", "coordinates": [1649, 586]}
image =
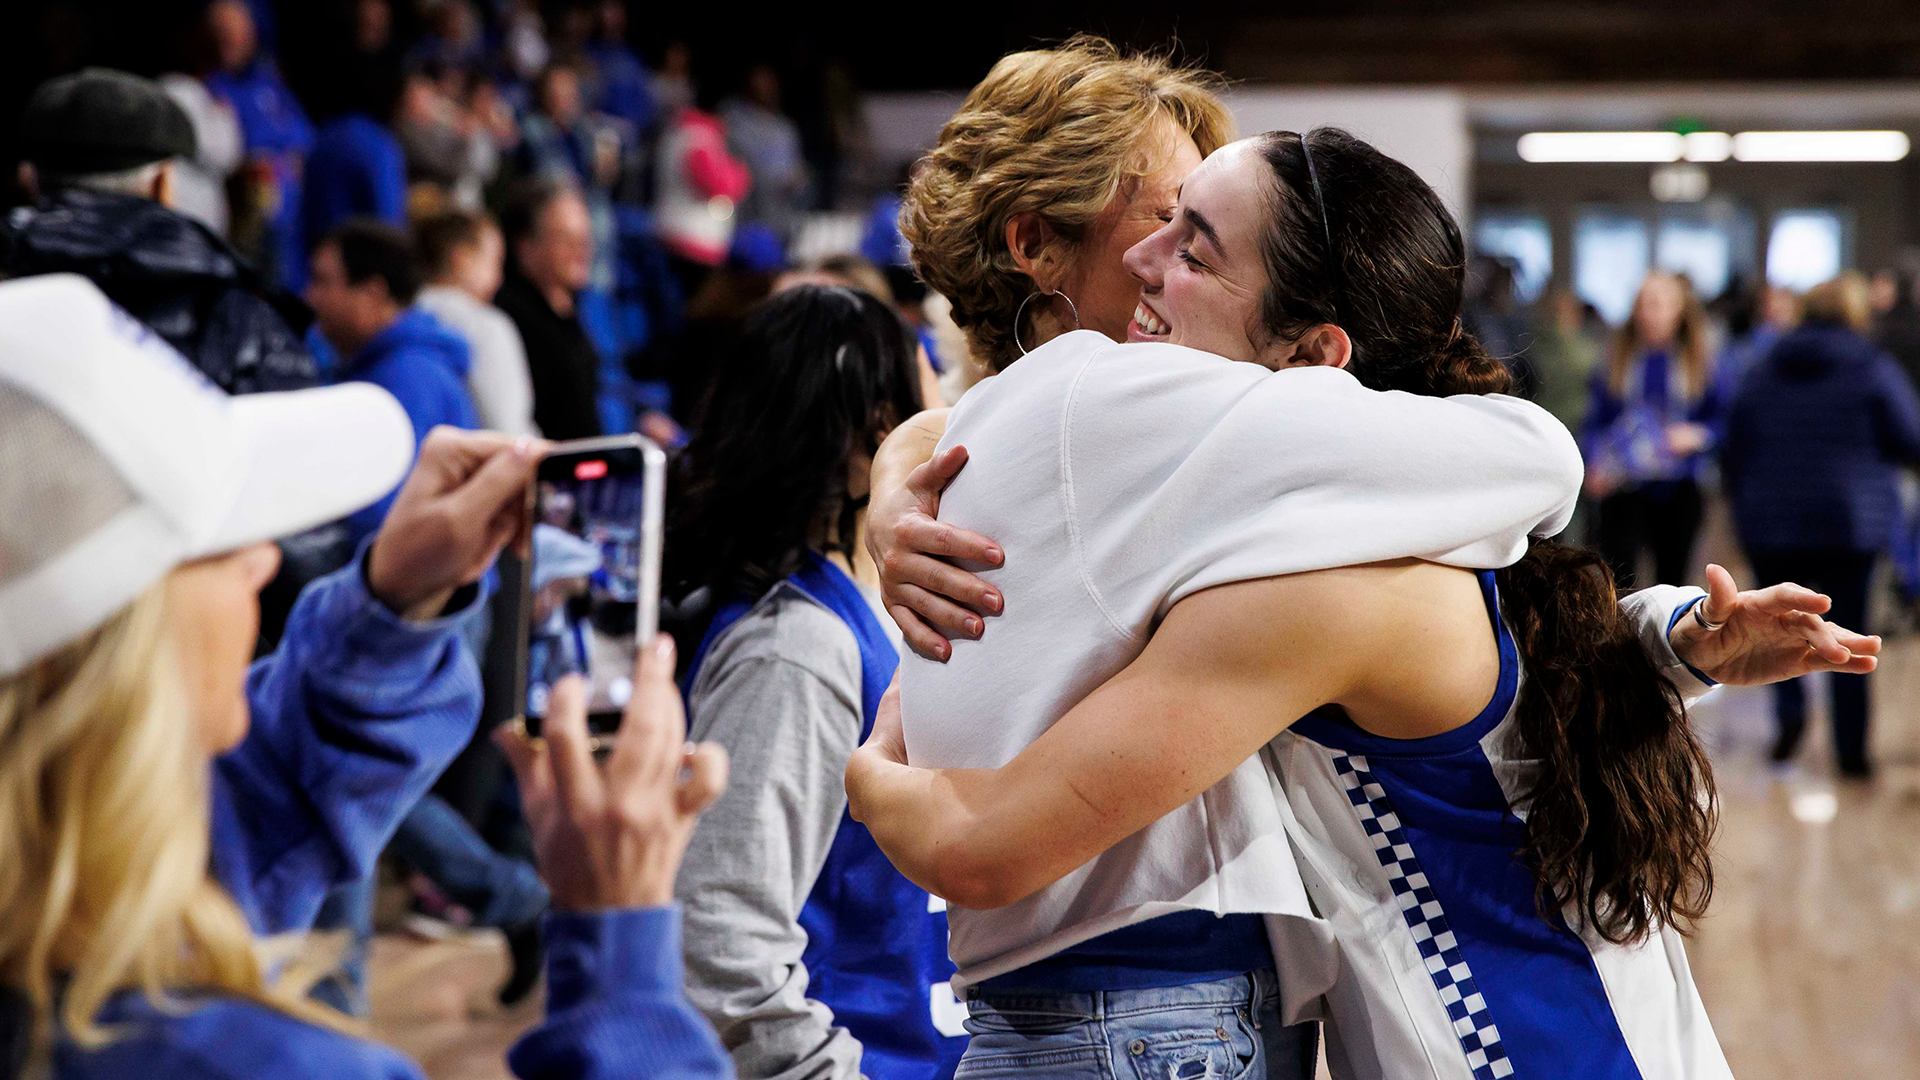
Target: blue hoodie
{"type": "Point", "coordinates": [1814, 443]}
{"type": "Point", "coordinates": [423, 364]}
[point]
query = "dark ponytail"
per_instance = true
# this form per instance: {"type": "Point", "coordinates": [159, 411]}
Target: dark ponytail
{"type": "Point", "coordinates": [1621, 815]}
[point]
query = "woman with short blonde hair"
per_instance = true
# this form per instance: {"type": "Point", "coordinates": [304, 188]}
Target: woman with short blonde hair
{"type": "Point", "coordinates": [1057, 162]}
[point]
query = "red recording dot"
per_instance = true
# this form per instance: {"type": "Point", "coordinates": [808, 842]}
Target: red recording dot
{"type": "Point", "coordinates": [590, 470]}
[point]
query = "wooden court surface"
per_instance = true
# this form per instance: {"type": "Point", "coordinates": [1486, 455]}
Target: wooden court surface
{"type": "Point", "coordinates": [1809, 958]}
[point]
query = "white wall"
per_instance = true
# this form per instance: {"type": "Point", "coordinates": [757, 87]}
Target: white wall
{"type": "Point", "coordinates": [1426, 128]}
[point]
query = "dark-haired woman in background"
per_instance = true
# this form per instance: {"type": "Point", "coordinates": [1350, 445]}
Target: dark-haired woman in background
{"type": "Point", "coordinates": [1656, 419]}
{"type": "Point", "coordinates": [1401, 791]}
{"type": "Point", "coordinates": [811, 955]}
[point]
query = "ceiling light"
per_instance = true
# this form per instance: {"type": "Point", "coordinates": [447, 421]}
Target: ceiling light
{"type": "Point", "coordinates": [1601, 146]}
{"type": "Point", "coordinates": [1820, 146]}
{"type": "Point", "coordinates": [1708, 146]}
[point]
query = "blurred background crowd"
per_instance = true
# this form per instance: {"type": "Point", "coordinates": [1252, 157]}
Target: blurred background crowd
{"type": "Point", "coordinates": [548, 216]}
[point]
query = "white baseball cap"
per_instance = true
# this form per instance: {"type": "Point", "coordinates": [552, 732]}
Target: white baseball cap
{"type": "Point", "coordinates": [119, 461]}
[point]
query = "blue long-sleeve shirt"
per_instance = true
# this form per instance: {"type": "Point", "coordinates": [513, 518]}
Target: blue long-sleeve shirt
{"type": "Point", "coordinates": [1625, 432]}
{"type": "Point", "coordinates": [352, 718]}
{"type": "Point", "coordinates": [357, 168]}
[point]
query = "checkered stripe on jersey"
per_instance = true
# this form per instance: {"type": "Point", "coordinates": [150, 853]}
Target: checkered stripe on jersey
{"type": "Point", "coordinates": [1474, 1027]}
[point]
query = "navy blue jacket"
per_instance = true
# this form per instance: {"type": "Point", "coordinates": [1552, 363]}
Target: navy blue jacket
{"type": "Point", "coordinates": [1817, 432]}
{"type": "Point", "coordinates": [424, 365]}
{"type": "Point", "coordinates": [352, 719]}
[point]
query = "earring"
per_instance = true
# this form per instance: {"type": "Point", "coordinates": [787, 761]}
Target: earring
{"type": "Point", "coordinates": [1020, 315]}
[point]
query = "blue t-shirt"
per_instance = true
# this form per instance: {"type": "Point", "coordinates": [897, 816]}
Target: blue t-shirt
{"type": "Point", "coordinates": [1173, 950]}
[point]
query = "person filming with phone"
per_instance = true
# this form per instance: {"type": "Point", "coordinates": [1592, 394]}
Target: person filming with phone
{"type": "Point", "coordinates": [174, 816]}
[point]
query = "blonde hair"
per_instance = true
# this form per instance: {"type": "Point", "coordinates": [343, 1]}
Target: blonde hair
{"type": "Point", "coordinates": [1690, 344]}
{"type": "Point", "coordinates": [1846, 300]}
{"type": "Point", "coordinates": [105, 837]}
{"type": "Point", "coordinates": [1056, 132]}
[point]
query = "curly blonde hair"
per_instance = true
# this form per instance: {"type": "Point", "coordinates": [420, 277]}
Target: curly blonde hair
{"type": "Point", "coordinates": [1058, 132]}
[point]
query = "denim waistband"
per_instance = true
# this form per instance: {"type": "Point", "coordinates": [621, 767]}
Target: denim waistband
{"type": "Point", "coordinates": [1256, 988]}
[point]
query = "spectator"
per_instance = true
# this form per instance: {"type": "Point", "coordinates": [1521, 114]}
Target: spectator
{"type": "Point", "coordinates": [672, 85]}
{"type": "Point", "coordinates": [1561, 358]}
{"type": "Point", "coordinates": [549, 240]}
{"type": "Point", "coordinates": [1815, 440]}
{"type": "Point", "coordinates": [453, 39]}
{"type": "Point", "coordinates": [855, 272]}
{"type": "Point", "coordinates": [357, 168]}
{"type": "Point", "coordinates": [697, 184]}
{"type": "Point", "coordinates": [1776, 310]}
{"type": "Point", "coordinates": [1656, 417]}
{"type": "Point", "coordinates": [762, 136]}
{"type": "Point", "coordinates": [102, 145]}
{"type": "Point", "coordinates": [210, 805]}
{"type": "Point", "coordinates": [562, 140]}
{"type": "Point", "coordinates": [625, 87]}
{"type": "Point", "coordinates": [362, 287]}
{"type": "Point", "coordinates": [448, 142]}
{"type": "Point", "coordinates": [1898, 330]}
{"type": "Point", "coordinates": [201, 181]}
{"type": "Point", "coordinates": [805, 948]}
{"type": "Point", "coordinates": [278, 136]}
{"type": "Point", "coordinates": [461, 254]}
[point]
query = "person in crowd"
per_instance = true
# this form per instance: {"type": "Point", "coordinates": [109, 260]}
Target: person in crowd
{"type": "Point", "coordinates": [855, 272]}
{"type": "Point", "coordinates": [1428, 949]}
{"type": "Point", "coordinates": [201, 182]}
{"type": "Point", "coordinates": [564, 140]}
{"type": "Point", "coordinates": [1898, 328]}
{"type": "Point", "coordinates": [180, 807]}
{"type": "Point", "coordinates": [672, 85]}
{"type": "Point", "coordinates": [357, 167]}
{"type": "Point", "coordinates": [1561, 358]}
{"type": "Point", "coordinates": [1655, 423]}
{"type": "Point", "coordinates": [549, 238]}
{"type": "Point", "coordinates": [278, 136]}
{"type": "Point", "coordinates": [697, 184]}
{"type": "Point", "coordinates": [1815, 441]}
{"type": "Point", "coordinates": [624, 84]}
{"type": "Point", "coordinates": [362, 291]}
{"type": "Point", "coordinates": [768, 141]}
{"type": "Point", "coordinates": [449, 143]}
{"type": "Point", "coordinates": [104, 150]}
{"type": "Point", "coordinates": [461, 255]}
{"type": "Point", "coordinates": [810, 955]}
{"type": "Point", "coordinates": [1775, 310]}
{"type": "Point", "coordinates": [454, 37]}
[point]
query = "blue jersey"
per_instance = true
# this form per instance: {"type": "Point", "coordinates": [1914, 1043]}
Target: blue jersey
{"type": "Point", "coordinates": [876, 943]}
{"type": "Point", "coordinates": [1445, 968]}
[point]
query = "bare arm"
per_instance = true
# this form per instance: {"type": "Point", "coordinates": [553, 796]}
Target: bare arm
{"type": "Point", "coordinates": [1218, 680]}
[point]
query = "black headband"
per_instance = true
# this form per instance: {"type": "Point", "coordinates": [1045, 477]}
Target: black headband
{"type": "Point", "coordinates": [1326, 229]}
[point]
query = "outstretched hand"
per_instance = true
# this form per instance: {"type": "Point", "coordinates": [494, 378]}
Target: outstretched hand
{"type": "Point", "coordinates": [932, 600]}
{"type": "Point", "coordinates": [1768, 635]}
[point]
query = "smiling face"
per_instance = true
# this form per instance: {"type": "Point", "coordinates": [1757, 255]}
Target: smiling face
{"type": "Point", "coordinates": [1103, 290]}
{"type": "Point", "coordinates": [1201, 276]}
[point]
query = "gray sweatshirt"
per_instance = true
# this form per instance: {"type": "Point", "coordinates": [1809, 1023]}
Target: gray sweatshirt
{"type": "Point", "coordinates": [780, 689]}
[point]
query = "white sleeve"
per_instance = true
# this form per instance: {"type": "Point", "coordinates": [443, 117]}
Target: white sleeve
{"type": "Point", "coordinates": [502, 386]}
{"type": "Point", "coordinates": [1652, 613]}
{"type": "Point", "coordinates": [1183, 471]}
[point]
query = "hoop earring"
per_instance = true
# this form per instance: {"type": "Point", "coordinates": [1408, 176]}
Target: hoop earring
{"type": "Point", "coordinates": [1021, 314]}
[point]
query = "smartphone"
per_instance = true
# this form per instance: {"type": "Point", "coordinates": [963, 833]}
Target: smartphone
{"type": "Point", "coordinates": [591, 592]}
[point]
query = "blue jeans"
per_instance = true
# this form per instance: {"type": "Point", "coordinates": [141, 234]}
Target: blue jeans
{"type": "Point", "coordinates": [1225, 1030]}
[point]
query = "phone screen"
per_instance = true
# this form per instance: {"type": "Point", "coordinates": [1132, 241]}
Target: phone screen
{"type": "Point", "coordinates": [593, 582]}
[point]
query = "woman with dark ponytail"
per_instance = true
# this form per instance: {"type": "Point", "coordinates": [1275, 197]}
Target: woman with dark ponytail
{"type": "Point", "coordinates": [1499, 815]}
